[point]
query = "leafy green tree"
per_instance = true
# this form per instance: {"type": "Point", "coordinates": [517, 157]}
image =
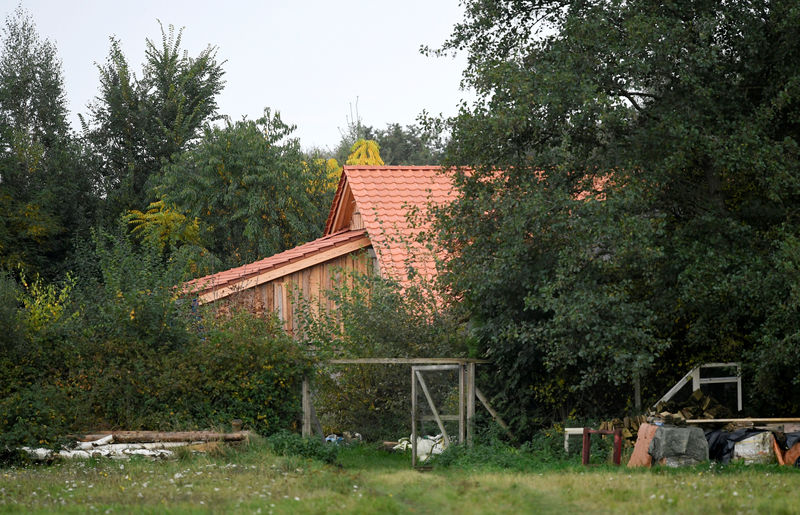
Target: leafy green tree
{"type": "Point", "coordinates": [138, 124]}
{"type": "Point", "coordinates": [631, 205]}
{"type": "Point", "coordinates": [410, 145]}
{"type": "Point", "coordinates": [252, 189]}
{"type": "Point", "coordinates": [46, 194]}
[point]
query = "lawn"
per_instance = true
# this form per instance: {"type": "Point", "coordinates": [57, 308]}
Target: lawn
{"type": "Point", "coordinates": [252, 479]}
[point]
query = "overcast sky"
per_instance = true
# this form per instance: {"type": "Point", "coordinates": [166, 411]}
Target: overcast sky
{"type": "Point", "coordinates": [308, 59]}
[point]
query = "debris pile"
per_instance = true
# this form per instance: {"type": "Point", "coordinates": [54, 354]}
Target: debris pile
{"type": "Point", "coordinates": [124, 444]}
{"type": "Point", "coordinates": [629, 427]}
{"type": "Point", "coordinates": [426, 446]}
{"type": "Point", "coordinates": [697, 406]}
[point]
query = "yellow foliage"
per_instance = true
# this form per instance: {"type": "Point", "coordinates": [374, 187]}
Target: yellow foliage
{"type": "Point", "coordinates": [333, 171]}
{"type": "Point", "coordinates": [365, 152]}
{"type": "Point", "coordinates": [162, 224]}
{"type": "Point", "coordinates": [44, 304]}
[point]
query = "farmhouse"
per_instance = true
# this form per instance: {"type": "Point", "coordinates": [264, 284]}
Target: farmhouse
{"type": "Point", "coordinates": [370, 228]}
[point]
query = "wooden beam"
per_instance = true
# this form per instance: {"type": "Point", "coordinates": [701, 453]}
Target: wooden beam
{"type": "Point", "coordinates": [343, 207]}
{"type": "Point", "coordinates": [493, 413]}
{"type": "Point", "coordinates": [451, 418]}
{"type": "Point", "coordinates": [161, 436]}
{"type": "Point", "coordinates": [413, 418]}
{"type": "Point", "coordinates": [433, 408]}
{"type": "Point", "coordinates": [462, 401]}
{"type": "Point", "coordinates": [405, 361]}
{"type": "Point", "coordinates": [287, 269]}
{"type": "Point", "coordinates": [742, 420]}
{"type": "Point", "coordinates": [470, 401]}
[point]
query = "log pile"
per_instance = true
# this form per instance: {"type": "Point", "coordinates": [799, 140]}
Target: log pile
{"type": "Point", "coordinates": [628, 425]}
{"type": "Point", "coordinates": [697, 406]}
{"type": "Point", "coordinates": [161, 436]}
{"type": "Point", "coordinates": [124, 444]}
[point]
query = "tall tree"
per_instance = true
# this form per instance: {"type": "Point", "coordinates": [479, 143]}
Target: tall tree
{"type": "Point", "coordinates": [631, 207]}
{"type": "Point", "coordinates": [137, 125]}
{"type": "Point", "coordinates": [410, 145]}
{"type": "Point", "coordinates": [251, 188]}
{"type": "Point", "coordinates": [365, 152]}
{"type": "Point", "coordinates": [45, 192]}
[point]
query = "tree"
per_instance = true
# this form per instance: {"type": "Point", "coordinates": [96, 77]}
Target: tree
{"type": "Point", "coordinates": [630, 208]}
{"type": "Point", "coordinates": [251, 188]}
{"type": "Point", "coordinates": [46, 195]}
{"type": "Point", "coordinates": [411, 145]}
{"type": "Point", "coordinates": [365, 152]}
{"type": "Point", "coordinates": [138, 125]}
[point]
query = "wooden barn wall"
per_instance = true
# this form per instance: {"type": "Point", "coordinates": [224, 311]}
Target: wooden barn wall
{"type": "Point", "coordinates": [281, 295]}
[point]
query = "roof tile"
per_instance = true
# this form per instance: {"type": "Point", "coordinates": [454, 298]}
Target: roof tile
{"type": "Point", "coordinates": [384, 195]}
{"type": "Point", "coordinates": [227, 277]}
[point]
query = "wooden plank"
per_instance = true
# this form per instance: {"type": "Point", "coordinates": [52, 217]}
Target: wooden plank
{"type": "Point", "coordinates": [262, 290]}
{"type": "Point", "coordinates": [492, 412]}
{"type": "Point", "coordinates": [433, 407]}
{"type": "Point", "coordinates": [675, 389]}
{"type": "Point", "coordinates": [405, 361]}
{"type": "Point", "coordinates": [314, 420]}
{"type": "Point", "coordinates": [305, 281]}
{"type": "Point", "coordinates": [282, 271]}
{"type": "Point", "coordinates": [344, 208]}
{"type": "Point", "coordinates": [716, 380]}
{"type": "Point", "coordinates": [278, 299]}
{"type": "Point", "coordinates": [462, 423]}
{"type": "Point", "coordinates": [450, 418]}
{"type": "Point", "coordinates": [268, 288]}
{"type": "Point", "coordinates": [470, 401]}
{"type": "Point", "coordinates": [413, 418]}
{"type": "Point", "coordinates": [167, 436]}
{"type": "Point", "coordinates": [741, 420]}
{"type": "Point", "coordinates": [288, 306]}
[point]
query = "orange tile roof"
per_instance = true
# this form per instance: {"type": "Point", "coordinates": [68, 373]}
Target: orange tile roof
{"type": "Point", "coordinates": [383, 196]}
{"type": "Point", "coordinates": [220, 280]}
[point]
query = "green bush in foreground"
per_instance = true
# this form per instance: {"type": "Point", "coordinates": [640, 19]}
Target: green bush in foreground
{"type": "Point", "coordinates": [291, 444]}
{"type": "Point", "coordinates": [116, 349]}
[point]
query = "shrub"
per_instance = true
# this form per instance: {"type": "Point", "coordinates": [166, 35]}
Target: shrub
{"type": "Point", "coordinates": [115, 349]}
{"type": "Point", "coordinates": [374, 317]}
{"type": "Point", "coordinates": [244, 367]}
{"type": "Point", "coordinates": [291, 444]}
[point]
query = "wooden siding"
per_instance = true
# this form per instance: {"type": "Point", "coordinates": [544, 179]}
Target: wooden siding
{"type": "Point", "coordinates": [281, 295]}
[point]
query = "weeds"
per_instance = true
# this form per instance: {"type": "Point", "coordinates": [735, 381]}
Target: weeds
{"type": "Point", "coordinates": [285, 443]}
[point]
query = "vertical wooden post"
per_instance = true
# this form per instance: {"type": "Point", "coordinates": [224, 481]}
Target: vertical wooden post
{"type": "Point", "coordinates": [587, 444]}
{"type": "Point", "coordinates": [306, 395]}
{"type": "Point", "coordinates": [617, 446]}
{"type": "Point", "coordinates": [738, 387]}
{"type": "Point", "coordinates": [461, 405]}
{"type": "Point", "coordinates": [413, 418]}
{"type": "Point", "coordinates": [696, 378]}
{"type": "Point", "coordinates": [470, 401]}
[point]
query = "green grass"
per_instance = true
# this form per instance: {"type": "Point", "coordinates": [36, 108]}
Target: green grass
{"type": "Point", "coordinates": [252, 479]}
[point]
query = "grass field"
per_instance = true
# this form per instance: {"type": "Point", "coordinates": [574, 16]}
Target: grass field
{"type": "Point", "coordinates": [365, 480]}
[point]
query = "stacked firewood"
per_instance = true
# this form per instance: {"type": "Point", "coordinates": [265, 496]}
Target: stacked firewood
{"type": "Point", "coordinates": [697, 406]}
{"type": "Point", "coordinates": [629, 427]}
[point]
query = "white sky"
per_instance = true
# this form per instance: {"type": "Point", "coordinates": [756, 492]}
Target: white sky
{"type": "Point", "coordinates": [308, 59]}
